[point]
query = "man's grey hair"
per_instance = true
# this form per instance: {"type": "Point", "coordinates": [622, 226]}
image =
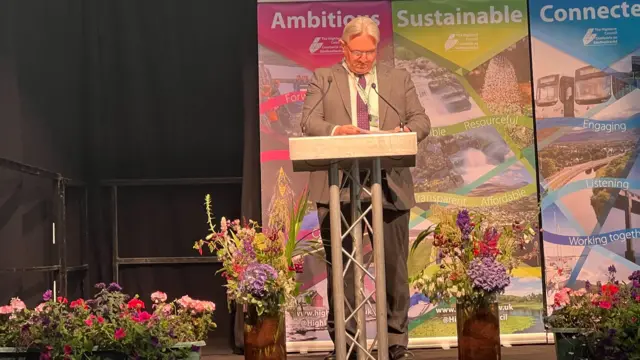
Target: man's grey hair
{"type": "Point", "coordinates": [359, 26]}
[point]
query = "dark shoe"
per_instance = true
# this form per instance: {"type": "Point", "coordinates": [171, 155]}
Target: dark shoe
{"type": "Point", "coordinates": [332, 356]}
{"type": "Point", "coordinates": [399, 352]}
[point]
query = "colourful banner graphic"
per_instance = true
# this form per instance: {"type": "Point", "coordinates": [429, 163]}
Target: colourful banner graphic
{"type": "Point", "coordinates": [470, 63]}
{"type": "Point", "coordinates": [587, 106]}
{"type": "Point", "coordinates": [294, 39]}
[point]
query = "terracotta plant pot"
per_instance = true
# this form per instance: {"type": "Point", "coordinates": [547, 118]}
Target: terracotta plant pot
{"type": "Point", "coordinates": [264, 336]}
{"type": "Point", "coordinates": [478, 327]}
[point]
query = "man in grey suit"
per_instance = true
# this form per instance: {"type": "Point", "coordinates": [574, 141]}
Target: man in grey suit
{"type": "Point", "coordinates": [354, 104]}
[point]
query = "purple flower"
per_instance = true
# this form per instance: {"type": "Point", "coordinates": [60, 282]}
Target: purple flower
{"type": "Point", "coordinates": [636, 284]}
{"type": "Point", "coordinates": [489, 275]}
{"type": "Point", "coordinates": [250, 252]}
{"type": "Point", "coordinates": [47, 295]}
{"type": "Point", "coordinates": [612, 269]}
{"type": "Point", "coordinates": [155, 342]}
{"type": "Point", "coordinates": [587, 285]}
{"type": "Point", "coordinates": [100, 286]}
{"type": "Point", "coordinates": [114, 287]}
{"type": "Point", "coordinates": [463, 221]}
{"type": "Point", "coordinates": [255, 277]}
{"type": "Point", "coordinates": [195, 348]}
{"type": "Point", "coordinates": [635, 275]}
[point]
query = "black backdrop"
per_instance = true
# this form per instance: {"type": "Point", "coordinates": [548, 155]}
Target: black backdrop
{"type": "Point", "coordinates": [120, 89]}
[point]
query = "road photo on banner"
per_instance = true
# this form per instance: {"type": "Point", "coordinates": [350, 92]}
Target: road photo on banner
{"type": "Point", "coordinates": [586, 68]}
{"type": "Point", "coordinates": [470, 63]}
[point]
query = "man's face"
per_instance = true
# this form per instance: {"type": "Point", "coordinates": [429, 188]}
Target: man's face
{"type": "Point", "coordinates": [360, 53]}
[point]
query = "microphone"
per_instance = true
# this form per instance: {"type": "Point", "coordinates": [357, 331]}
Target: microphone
{"type": "Point", "coordinates": [303, 123]}
{"type": "Point", "coordinates": [374, 87]}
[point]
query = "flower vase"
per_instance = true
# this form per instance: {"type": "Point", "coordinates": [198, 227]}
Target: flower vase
{"type": "Point", "coordinates": [264, 336]}
{"type": "Point", "coordinates": [478, 325]}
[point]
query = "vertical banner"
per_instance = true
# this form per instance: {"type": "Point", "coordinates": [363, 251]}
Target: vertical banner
{"type": "Point", "coordinates": [294, 39]}
{"type": "Point", "coordinates": [470, 63]}
{"type": "Point", "coordinates": [586, 66]}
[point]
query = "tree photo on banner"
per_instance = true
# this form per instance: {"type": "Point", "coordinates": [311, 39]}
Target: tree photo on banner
{"type": "Point", "coordinates": [470, 63]}
{"type": "Point", "coordinates": [295, 39]}
{"type": "Point", "coordinates": [586, 66]}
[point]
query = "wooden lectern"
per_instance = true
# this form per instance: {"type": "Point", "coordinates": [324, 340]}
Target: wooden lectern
{"type": "Point", "coordinates": [349, 155]}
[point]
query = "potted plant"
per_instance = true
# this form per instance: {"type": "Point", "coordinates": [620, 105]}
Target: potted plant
{"type": "Point", "coordinates": [598, 321]}
{"type": "Point", "coordinates": [15, 339]}
{"type": "Point", "coordinates": [110, 326]}
{"type": "Point", "coordinates": [260, 267]}
{"type": "Point", "coordinates": [473, 266]}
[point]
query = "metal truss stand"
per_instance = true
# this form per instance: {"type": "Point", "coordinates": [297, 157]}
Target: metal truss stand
{"type": "Point", "coordinates": [358, 342]}
{"type": "Point", "coordinates": [351, 155]}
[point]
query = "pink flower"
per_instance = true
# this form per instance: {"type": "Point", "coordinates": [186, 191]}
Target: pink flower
{"type": "Point", "coordinates": [185, 301]}
{"type": "Point", "coordinates": [166, 309]}
{"type": "Point", "coordinates": [7, 309]}
{"type": "Point", "coordinates": [17, 304]}
{"type": "Point", "coordinates": [580, 292]}
{"type": "Point", "coordinates": [40, 308]}
{"type": "Point", "coordinates": [67, 350]}
{"type": "Point", "coordinates": [209, 306]}
{"type": "Point", "coordinates": [89, 321]}
{"type": "Point", "coordinates": [119, 334]}
{"type": "Point", "coordinates": [223, 225]}
{"type": "Point", "coordinates": [158, 297]}
{"type": "Point", "coordinates": [561, 298]}
{"type": "Point", "coordinates": [605, 305]}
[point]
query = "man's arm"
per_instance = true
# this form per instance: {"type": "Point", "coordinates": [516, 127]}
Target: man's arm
{"type": "Point", "coordinates": [416, 118]}
{"type": "Point", "coordinates": [313, 123]}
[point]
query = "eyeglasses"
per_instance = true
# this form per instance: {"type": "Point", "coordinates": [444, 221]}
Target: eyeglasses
{"type": "Point", "coordinates": [358, 53]}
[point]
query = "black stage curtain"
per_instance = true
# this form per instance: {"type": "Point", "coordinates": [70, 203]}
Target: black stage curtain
{"type": "Point", "coordinates": [42, 121]}
{"type": "Point", "coordinates": [119, 89]}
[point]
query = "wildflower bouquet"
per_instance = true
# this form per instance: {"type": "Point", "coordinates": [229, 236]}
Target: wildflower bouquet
{"type": "Point", "coordinates": [606, 315]}
{"type": "Point", "coordinates": [260, 266]}
{"type": "Point", "coordinates": [474, 259]}
{"type": "Point", "coordinates": [111, 322]}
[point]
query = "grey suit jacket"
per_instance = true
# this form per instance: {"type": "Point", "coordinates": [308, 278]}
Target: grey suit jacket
{"type": "Point", "coordinates": [396, 86]}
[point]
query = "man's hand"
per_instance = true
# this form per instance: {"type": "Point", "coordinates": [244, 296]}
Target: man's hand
{"type": "Point", "coordinates": [406, 129]}
{"type": "Point", "coordinates": [346, 130]}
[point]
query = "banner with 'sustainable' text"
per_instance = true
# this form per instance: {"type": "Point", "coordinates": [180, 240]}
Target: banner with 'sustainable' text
{"type": "Point", "coordinates": [470, 63]}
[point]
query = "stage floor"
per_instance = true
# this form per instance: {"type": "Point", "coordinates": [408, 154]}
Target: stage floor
{"type": "Point", "coordinates": [536, 352]}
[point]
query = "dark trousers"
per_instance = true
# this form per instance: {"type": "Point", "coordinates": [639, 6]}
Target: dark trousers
{"type": "Point", "coordinates": [396, 253]}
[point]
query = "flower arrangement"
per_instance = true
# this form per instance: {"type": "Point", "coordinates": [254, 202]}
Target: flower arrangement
{"type": "Point", "coordinates": [474, 259]}
{"type": "Point", "coordinates": [111, 321]}
{"type": "Point", "coordinates": [605, 315]}
{"type": "Point", "coordinates": [260, 266]}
